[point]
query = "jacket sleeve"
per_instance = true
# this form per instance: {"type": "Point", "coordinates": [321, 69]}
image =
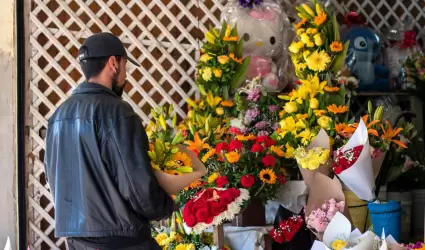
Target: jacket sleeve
{"type": "Point", "coordinates": [125, 150]}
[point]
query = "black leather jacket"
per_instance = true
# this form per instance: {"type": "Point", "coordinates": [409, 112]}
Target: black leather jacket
{"type": "Point", "coordinates": [98, 168]}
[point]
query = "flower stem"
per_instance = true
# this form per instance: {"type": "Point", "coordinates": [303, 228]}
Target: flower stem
{"type": "Point", "coordinates": [260, 189]}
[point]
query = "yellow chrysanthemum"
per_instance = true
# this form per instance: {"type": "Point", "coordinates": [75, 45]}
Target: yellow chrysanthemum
{"type": "Point", "coordinates": [313, 158]}
{"type": "Point", "coordinates": [190, 246]}
{"type": "Point", "coordinates": [208, 155]}
{"type": "Point", "coordinates": [217, 73]}
{"type": "Point", "coordinates": [206, 73]}
{"type": "Point", "coordinates": [336, 46]}
{"type": "Point", "coordinates": [295, 47]}
{"type": "Point", "coordinates": [267, 176]}
{"type": "Point", "coordinates": [214, 176]}
{"type": "Point", "coordinates": [223, 59]}
{"type": "Point", "coordinates": [337, 109]}
{"type": "Point", "coordinates": [233, 157]}
{"type": "Point", "coordinates": [339, 245]}
{"type": "Point", "coordinates": [318, 61]}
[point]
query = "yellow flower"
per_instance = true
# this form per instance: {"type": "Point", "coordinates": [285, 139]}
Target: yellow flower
{"type": "Point", "coordinates": [339, 245]}
{"type": "Point", "coordinates": [337, 109]}
{"type": "Point", "coordinates": [206, 73]}
{"type": "Point", "coordinates": [319, 10]}
{"type": "Point", "coordinates": [306, 136]}
{"type": "Point", "coordinates": [182, 246]}
{"type": "Point", "coordinates": [233, 157]}
{"type": "Point", "coordinates": [331, 89]}
{"type": "Point", "coordinates": [306, 54]}
{"type": "Point", "coordinates": [319, 112]}
{"type": "Point", "coordinates": [289, 125]}
{"type": "Point", "coordinates": [277, 150]}
{"type": "Point", "coordinates": [227, 104]}
{"type": "Point", "coordinates": [301, 116]}
{"type": "Point", "coordinates": [312, 31]}
{"type": "Point", "coordinates": [310, 44]}
{"type": "Point", "coordinates": [232, 56]}
{"type": "Point", "coordinates": [202, 51]}
{"type": "Point", "coordinates": [289, 151]}
{"type": "Point", "coordinates": [314, 103]}
{"type": "Point", "coordinates": [214, 176]}
{"type": "Point", "coordinates": [312, 159]}
{"type": "Point", "coordinates": [291, 107]}
{"type": "Point", "coordinates": [219, 111]}
{"type": "Point", "coordinates": [318, 61]}
{"type": "Point", "coordinates": [208, 155]}
{"type": "Point", "coordinates": [223, 59]}
{"type": "Point", "coordinates": [307, 9]}
{"type": "Point", "coordinates": [301, 23]}
{"type": "Point", "coordinates": [318, 40]}
{"type": "Point", "coordinates": [217, 73]}
{"type": "Point", "coordinates": [296, 47]}
{"type": "Point", "coordinates": [205, 58]}
{"type": "Point", "coordinates": [181, 159]}
{"type": "Point", "coordinates": [212, 100]}
{"type": "Point", "coordinates": [336, 46]}
{"type": "Point", "coordinates": [300, 31]}
{"type": "Point", "coordinates": [228, 31]}
{"type": "Point", "coordinates": [300, 66]}
{"type": "Point", "coordinates": [155, 166]}
{"type": "Point", "coordinates": [267, 176]}
{"type": "Point", "coordinates": [320, 19]}
{"type": "Point", "coordinates": [312, 85]}
{"type": "Point", "coordinates": [161, 239]}
{"type": "Point", "coordinates": [305, 38]}
{"type": "Point", "coordinates": [324, 122]}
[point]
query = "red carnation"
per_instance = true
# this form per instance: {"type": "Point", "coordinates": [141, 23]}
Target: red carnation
{"type": "Point", "coordinates": [345, 159]}
{"type": "Point", "coordinates": [247, 181]}
{"type": "Point", "coordinates": [257, 148]}
{"type": "Point", "coordinates": [190, 220]}
{"type": "Point", "coordinates": [282, 178]}
{"type": "Point", "coordinates": [221, 181]}
{"type": "Point", "coordinates": [235, 131]}
{"type": "Point", "coordinates": [268, 160]}
{"type": "Point", "coordinates": [222, 146]}
{"type": "Point", "coordinates": [266, 140]}
{"type": "Point", "coordinates": [235, 145]}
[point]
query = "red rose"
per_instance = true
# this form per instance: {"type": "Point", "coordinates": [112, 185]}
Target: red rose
{"type": "Point", "coordinates": [226, 198]}
{"type": "Point", "coordinates": [282, 178]}
{"type": "Point", "coordinates": [203, 214]}
{"type": "Point", "coordinates": [257, 148]}
{"type": "Point", "coordinates": [268, 160]}
{"type": "Point", "coordinates": [277, 235]}
{"type": "Point", "coordinates": [190, 220]}
{"type": "Point", "coordinates": [221, 181]}
{"type": "Point", "coordinates": [235, 131]}
{"type": "Point", "coordinates": [247, 181]}
{"type": "Point", "coordinates": [235, 192]}
{"type": "Point", "coordinates": [217, 208]}
{"type": "Point", "coordinates": [235, 145]}
{"type": "Point", "coordinates": [222, 146]}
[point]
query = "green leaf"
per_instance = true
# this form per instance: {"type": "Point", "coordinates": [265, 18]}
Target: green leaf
{"type": "Point", "coordinates": [159, 148]}
{"type": "Point", "coordinates": [240, 73]}
{"type": "Point", "coordinates": [335, 29]}
{"type": "Point", "coordinates": [231, 47]}
{"type": "Point", "coordinates": [174, 150]}
{"type": "Point", "coordinates": [339, 60]}
{"type": "Point", "coordinates": [239, 49]}
{"type": "Point", "coordinates": [185, 169]}
{"type": "Point", "coordinates": [234, 31]}
{"type": "Point", "coordinates": [223, 29]}
{"type": "Point", "coordinates": [152, 155]}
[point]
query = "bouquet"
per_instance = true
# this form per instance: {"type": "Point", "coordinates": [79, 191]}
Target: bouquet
{"type": "Point", "coordinates": [319, 218]}
{"type": "Point", "coordinates": [287, 229]}
{"type": "Point", "coordinates": [221, 67]}
{"type": "Point", "coordinates": [414, 68]}
{"type": "Point", "coordinates": [213, 206]}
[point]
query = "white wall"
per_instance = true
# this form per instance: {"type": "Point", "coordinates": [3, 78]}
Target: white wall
{"type": "Point", "coordinates": [7, 120]}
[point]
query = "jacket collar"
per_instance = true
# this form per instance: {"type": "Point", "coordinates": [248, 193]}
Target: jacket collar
{"type": "Point", "coordinates": [92, 87]}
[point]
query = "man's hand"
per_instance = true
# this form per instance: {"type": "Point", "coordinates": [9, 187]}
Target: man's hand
{"type": "Point", "coordinates": [198, 166]}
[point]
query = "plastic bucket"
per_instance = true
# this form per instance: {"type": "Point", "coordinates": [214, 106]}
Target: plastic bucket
{"type": "Point", "coordinates": [357, 209]}
{"type": "Point", "coordinates": [418, 204]}
{"type": "Point", "coordinates": [406, 211]}
{"type": "Point", "coordinates": [386, 216]}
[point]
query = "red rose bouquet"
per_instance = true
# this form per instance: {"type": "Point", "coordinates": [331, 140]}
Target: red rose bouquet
{"type": "Point", "coordinates": [212, 206]}
{"type": "Point", "coordinates": [345, 159]}
{"type": "Point", "coordinates": [287, 229]}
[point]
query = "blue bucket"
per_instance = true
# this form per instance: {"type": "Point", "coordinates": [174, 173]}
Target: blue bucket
{"type": "Point", "coordinates": [386, 216]}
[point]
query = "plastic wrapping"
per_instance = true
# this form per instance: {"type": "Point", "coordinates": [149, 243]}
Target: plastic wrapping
{"type": "Point", "coordinates": [264, 30]}
{"type": "Point", "coordinates": [364, 55]}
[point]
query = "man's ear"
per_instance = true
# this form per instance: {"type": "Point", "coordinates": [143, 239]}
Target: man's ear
{"type": "Point", "coordinates": [113, 64]}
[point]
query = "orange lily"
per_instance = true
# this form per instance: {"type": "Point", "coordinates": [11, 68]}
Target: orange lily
{"type": "Point", "coordinates": [197, 145]}
{"type": "Point", "coordinates": [390, 133]}
{"type": "Point", "coordinates": [370, 130]}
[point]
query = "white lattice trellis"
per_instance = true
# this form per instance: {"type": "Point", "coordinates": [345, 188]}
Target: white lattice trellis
{"type": "Point", "coordinates": [164, 35]}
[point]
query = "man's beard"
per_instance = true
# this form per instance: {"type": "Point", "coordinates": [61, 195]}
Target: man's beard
{"type": "Point", "coordinates": [118, 90]}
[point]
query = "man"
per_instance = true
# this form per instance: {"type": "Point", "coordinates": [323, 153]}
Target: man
{"type": "Point", "coordinates": [104, 190]}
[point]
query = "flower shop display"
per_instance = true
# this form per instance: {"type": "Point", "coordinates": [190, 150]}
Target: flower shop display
{"type": "Point", "coordinates": [338, 236]}
{"type": "Point", "coordinates": [364, 54]}
{"type": "Point", "coordinates": [221, 66]}
{"type": "Point", "coordinates": [213, 206]}
{"type": "Point", "coordinates": [414, 70]}
{"type": "Point", "coordinates": [262, 24]}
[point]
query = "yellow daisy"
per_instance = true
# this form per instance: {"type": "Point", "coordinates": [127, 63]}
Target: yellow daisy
{"type": "Point", "coordinates": [318, 61]}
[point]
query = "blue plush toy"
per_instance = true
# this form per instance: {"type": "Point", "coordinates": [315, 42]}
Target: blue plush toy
{"type": "Point", "coordinates": [363, 52]}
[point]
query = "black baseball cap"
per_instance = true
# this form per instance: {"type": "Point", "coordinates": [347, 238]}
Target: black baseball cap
{"type": "Point", "coordinates": [103, 45]}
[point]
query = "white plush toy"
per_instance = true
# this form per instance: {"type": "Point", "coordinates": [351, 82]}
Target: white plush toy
{"type": "Point", "coordinates": [261, 28]}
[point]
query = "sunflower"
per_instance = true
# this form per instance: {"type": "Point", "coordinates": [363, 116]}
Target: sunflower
{"type": "Point", "coordinates": [320, 19]}
{"type": "Point", "coordinates": [301, 23]}
{"type": "Point", "coordinates": [278, 151]}
{"type": "Point", "coordinates": [233, 57]}
{"type": "Point", "coordinates": [336, 46]}
{"type": "Point", "coordinates": [233, 157]}
{"type": "Point", "coordinates": [214, 176]}
{"type": "Point", "coordinates": [341, 109]}
{"type": "Point", "coordinates": [331, 89]}
{"type": "Point", "coordinates": [208, 155]}
{"type": "Point", "coordinates": [181, 159]}
{"type": "Point", "coordinates": [227, 104]}
{"type": "Point", "coordinates": [267, 176]}
{"type": "Point", "coordinates": [318, 61]}
{"type": "Point", "coordinates": [319, 112]}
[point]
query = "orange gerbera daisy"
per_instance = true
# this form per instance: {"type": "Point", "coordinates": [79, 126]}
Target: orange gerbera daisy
{"type": "Point", "coordinates": [331, 89]}
{"type": "Point", "coordinates": [341, 109]}
{"type": "Point", "coordinates": [301, 23]}
{"type": "Point", "coordinates": [336, 46]}
{"type": "Point", "coordinates": [233, 57]}
{"type": "Point", "coordinates": [227, 104]}
{"type": "Point", "coordinates": [390, 133]}
{"type": "Point", "coordinates": [320, 19]}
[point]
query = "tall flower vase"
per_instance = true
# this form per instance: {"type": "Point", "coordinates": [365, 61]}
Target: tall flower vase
{"type": "Point", "coordinates": [386, 216]}
{"type": "Point", "coordinates": [253, 215]}
{"type": "Point", "coordinates": [358, 210]}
